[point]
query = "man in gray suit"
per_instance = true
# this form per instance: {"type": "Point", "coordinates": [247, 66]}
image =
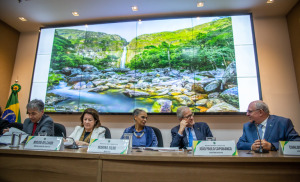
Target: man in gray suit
{"type": "Point", "coordinates": [37, 121]}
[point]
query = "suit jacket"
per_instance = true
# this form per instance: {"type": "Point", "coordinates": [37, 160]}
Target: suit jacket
{"type": "Point", "coordinates": [45, 125]}
{"type": "Point", "coordinates": [277, 129]}
{"type": "Point", "coordinates": [97, 133]}
{"type": "Point", "coordinates": [201, 130]}
{"type": "Point", "coordinates": [3, 125]}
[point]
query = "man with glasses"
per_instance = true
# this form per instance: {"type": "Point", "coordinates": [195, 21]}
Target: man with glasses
{"type": "Point", "coordinates": [184, 134]}
{"type": "Point", "coordinates": [271, 129]}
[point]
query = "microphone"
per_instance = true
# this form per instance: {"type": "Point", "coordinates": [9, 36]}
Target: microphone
{"type": "Point", "coordinates": [73, 146]}
{"type": "Point", "coordinates": [260, 150]}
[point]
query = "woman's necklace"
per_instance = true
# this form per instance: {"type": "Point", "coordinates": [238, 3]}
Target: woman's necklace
{"type": "Point", "coordinates": [137, 135]}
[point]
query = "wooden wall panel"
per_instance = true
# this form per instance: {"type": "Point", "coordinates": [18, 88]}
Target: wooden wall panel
{"type": "Point", "coordinates": [9, 39]}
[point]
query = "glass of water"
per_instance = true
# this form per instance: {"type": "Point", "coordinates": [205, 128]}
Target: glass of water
{"type": "Point", "coordinates": [210, 138]}
{"type": "Point", "coordinates": [15, 139]}
{"type": "Point", "coordinates": [42, 133]}
{"type": "Point", "coordinates": [128, 136]}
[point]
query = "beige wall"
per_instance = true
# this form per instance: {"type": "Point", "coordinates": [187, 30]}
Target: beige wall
{"type": "Point", "coordinates": [9, 39]}
{"type": "Point", "coordinates": [293, 21]}
{"type": "Point", "coordinates": [277, 77]}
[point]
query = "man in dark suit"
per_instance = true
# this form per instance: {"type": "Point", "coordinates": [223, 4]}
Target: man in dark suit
{"type": "Point", "coordinates": [188, 130]}
{"type": "Point", "coordinates": [271, 129]}
{"type": "Point", "coordinates": [4, 125]}
{"type": "Point", "coordinates": [37, 121]}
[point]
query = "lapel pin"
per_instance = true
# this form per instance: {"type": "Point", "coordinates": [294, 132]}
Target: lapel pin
{"type": "Point", "coordinates": [198, 128]}
{"type": "Point", "coordinates": [270, 125]}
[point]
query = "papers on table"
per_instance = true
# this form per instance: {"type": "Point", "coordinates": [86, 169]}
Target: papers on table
{"type": "Point", "coordinates": [160, 149]}
{"type": "Point", "coordinates": [6, 137]}
{"type": "Point", "coordinates": [68, 143]}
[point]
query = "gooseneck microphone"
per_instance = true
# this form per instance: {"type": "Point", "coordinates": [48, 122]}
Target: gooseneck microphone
{"type": "Point", "coordinates": [260, 150]}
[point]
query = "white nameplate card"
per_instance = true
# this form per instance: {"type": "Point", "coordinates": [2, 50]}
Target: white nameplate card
{"type": "Point", "coordinates": [289, 147]}
{"type": "Point", "coordinates": [214, 148]}
{"type": "Point", "coordinates": [111, 146]}
{"type": "Point", "coordinates": [44, 143]}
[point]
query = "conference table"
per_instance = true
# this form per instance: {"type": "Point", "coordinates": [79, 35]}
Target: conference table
{"type": "Point", "coordinates": [78, 165]}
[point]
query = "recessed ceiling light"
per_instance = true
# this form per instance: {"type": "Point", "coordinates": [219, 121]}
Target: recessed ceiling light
{"type": "Point", "coordinates": [134, 8]}
{"type": "Point", "coordinates": [86, 25]}
{"type": "Point", "coordinates": [270, 1]}
{"type": "Point", "coordinates": [22, 19]}
{"type": "Point", "coordinates": [140, 21]}
{"type": "Point", "coordinates": [198, 18]}
{"type": "Point", "coordinates": [200, 4]}
{"type": "Point", "coordinates": [75, 13]}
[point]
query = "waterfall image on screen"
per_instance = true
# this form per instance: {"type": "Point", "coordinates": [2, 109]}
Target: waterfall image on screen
{"type": "Point", "coordinates": [156, 65]}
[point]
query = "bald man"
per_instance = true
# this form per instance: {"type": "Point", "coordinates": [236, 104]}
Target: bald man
{"type": "Point", "coordinates": [271, 129]}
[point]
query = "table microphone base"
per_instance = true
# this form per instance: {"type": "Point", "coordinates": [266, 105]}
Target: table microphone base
{"type": "Point", "coordinates": [261, 151]}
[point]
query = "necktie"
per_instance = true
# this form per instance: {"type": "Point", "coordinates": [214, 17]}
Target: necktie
{"type": "Point", "coordinates": [260, 130]}
{"type": "Point", "coordinates": [34, 128]}
{"type": "Point", "coordinates": [190, 138]}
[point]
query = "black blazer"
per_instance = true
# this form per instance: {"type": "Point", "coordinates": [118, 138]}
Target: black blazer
{"type": "Point", "coordinates": [3, 125]}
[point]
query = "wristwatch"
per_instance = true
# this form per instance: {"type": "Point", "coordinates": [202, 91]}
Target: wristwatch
{"type": "Point", "coordinates": [273, 147]}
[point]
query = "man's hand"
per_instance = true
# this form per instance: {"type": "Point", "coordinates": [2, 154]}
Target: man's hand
{"type": "Point", "coordinates": [5, 130]}
{"type": "Point", "coordinates": [265, 145]}
{"type": "Point", "coordinates": [183, 124]}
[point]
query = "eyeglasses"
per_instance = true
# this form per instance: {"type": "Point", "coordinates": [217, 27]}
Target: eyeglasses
{"type": "Point", "coordinates": [189, 116]}
{"type": "Point", "coordinates": [248, 111]}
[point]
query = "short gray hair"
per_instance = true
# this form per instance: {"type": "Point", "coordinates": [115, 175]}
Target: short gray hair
{"type": "Point", "coordinates": [180, 110]}
{"type": "Point", "coordinates": [263, 106]}
{"type": "Point", "coordinates": [36, 104]}
{"type": "Point", "coordinates": [136, 112]}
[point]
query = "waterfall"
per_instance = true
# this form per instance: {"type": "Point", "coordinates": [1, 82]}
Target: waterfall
{"type": "Point", "coordinates": [123, 58]}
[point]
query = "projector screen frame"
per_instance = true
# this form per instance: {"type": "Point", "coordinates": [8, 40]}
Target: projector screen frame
{"type": "Point", "coordinates": [155, 18]}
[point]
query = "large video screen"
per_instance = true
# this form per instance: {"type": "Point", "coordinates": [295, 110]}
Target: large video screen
{"type": "Point", "coordinates": [206, 63]}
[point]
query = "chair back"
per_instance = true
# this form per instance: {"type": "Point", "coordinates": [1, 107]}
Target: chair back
{"type": "Point", "coordinates": [59, 129]}
{"type": "Point", "coordinates": [107, 132]}
{"type": "Point", "coordinates": [159, 136]}
{"type": "Point", "coordinates": [17, 125]}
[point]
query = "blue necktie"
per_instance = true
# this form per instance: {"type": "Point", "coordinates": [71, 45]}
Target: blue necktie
{"type": "Point", "coordinates": [190, 138]}
{"type": "Point", "coordinates": [260, 130]}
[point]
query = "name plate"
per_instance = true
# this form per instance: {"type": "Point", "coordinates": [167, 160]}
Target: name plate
{"type": "Point", "coordinates": [289, 147]}
{"type": "Point", "coordinates": [44, 143]}
{"type": "Point", "coordinates": [112, 146]}
{"type": "Point", "coordinates": [214, 148]}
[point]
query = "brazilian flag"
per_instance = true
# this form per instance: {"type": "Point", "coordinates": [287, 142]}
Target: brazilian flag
{"type": "Point", "coordinates": [12, 109]}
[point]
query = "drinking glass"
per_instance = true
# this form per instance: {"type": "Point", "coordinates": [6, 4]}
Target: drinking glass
{"type": "Point", "coordinates": [128, 136]}
{"type": "Point", "coordinates": [15, 139]}
{"type": "Point", "coordinates": [210, 138]}
{"type": "Point", "coordinates": [42, 133]}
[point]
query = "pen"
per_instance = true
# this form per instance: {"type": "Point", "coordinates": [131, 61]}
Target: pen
{"type": "Point", "coordinates": [63, 135]}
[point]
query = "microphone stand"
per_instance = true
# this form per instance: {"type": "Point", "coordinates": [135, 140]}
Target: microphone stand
{"type": "Point", "coordinates": [73, 146]}
{"type": "Point", "coordinates": [260, 150]}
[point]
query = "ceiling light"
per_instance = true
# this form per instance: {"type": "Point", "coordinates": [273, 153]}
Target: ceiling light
{"type": "Point", "coordinates": [134, 8]}
{"type": "Point", "coordinates": [200, 4]}
{"type": "Point", "coordinates": [22, 19]}
{"type": "Point", "coordinates": [86, 25]}
{"type": "Point", "coordinates": [140, 21]}
{"type": "Point", "coordinates": [75, 13]}
{"type": "Point", "coordinates": [270, 1]}
{"type": "Point", "coordinates": [198, 18]}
